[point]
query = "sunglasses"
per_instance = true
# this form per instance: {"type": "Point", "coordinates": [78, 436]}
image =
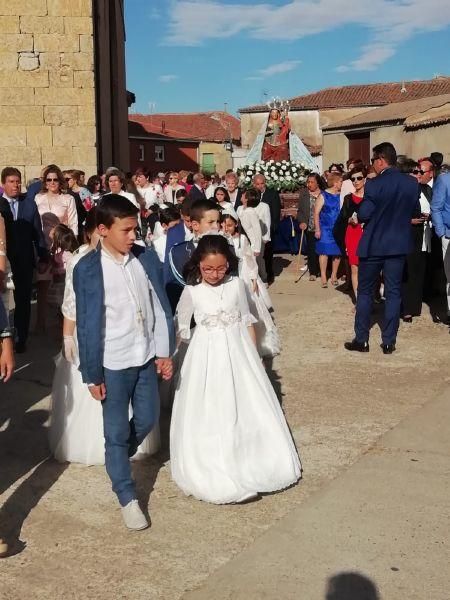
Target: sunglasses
{"type": "Point", "coordinates": [52, 180]}
{"type": "Point", "coordinates": [420, 171]}
{"type": "Point", "coordinates": [357, 178]}
{"type": "Point", "coordinates": [67, 179]}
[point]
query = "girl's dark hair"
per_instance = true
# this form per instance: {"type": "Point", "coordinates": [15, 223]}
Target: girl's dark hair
{"type": "Point", "coordinates": [319, 180]}
{"type": "Point", "coordinates": [190, 179]}
{"type": "Point", "coordinates": [63, 239]}
{"type": "Point", "coordinates": [253, 198]}
{"type": "Point", "coordinates": [168, 215]}
{"type": "Point", "coordinates": [92, 182]}
{"type": "Point", "coordinates": [208, 244]}
{"type": "Point", "coordinates": [221, 189]}
{"type": "Point", "coordinates": [90, 224]}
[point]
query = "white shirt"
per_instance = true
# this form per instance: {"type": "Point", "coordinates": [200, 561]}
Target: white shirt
{"type": "Point", "coordinates": [263, 212]}
{"type": "Point", "coordinates": [13, 205]}
{"type": "Point", "coordinates": [233, 196]}
{"type": "Point", "coordinates": [152, 194]}
{"type": "Point", "coordinates": [159, 244]}
{"type": "Point", "coordinates": [132, 311]}
{"type": "Point", "coordinates": [209, 192]}
{"type": "Point", "coordinates": [426, 209]}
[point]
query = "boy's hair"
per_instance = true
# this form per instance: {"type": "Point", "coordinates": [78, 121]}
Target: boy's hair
{"type": "Point", "coordinates": [209, 244]}
{"type": "Point", "coordinates": [252, 196]}
{"type": "Point", "coordinates": [168, 215]}
{"type": "Point", "coordinates": [180, 193]}
{"type": "Point", "coordinates": [185, 207]}
{"type": "Point", "coordinates": [114, 206]}
{"type": "Point", "coordinates": [63, 239]}
{"type": "Point", "coordinates": [199, 207]}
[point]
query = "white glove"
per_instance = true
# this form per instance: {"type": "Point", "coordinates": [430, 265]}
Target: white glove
{"type": "Point", "coordinates": [69, 348]}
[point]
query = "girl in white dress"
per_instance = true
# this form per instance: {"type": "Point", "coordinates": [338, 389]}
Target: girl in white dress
{"type": "Point", "coordinates": [228, 438]}
{"type": "Point", "coordinates": [76, 426]}
{"type": "Point", "coordinates": [267, 339]}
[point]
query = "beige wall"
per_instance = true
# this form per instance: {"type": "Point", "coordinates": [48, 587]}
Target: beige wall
{"type": "Point", "coordinates": [414, 144]}
{"type": "Point", "coordinates": [222, 157]}
{"type": "Point", "coordinates": [47, 103]}
{"type": "Point", "coordinates": [334, 148]}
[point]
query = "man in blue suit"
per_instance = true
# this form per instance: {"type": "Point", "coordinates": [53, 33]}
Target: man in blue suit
{"type": "Point", "coordinates": [440, 215]}
{"type": "Point", "coordinates": [390, 201]}
{"type": "Point", "coordinates": [24, 239]}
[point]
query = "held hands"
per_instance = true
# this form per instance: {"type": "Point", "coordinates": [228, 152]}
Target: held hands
{"type": "Point", "coordinates": [418, 221]}
{"type": "Point", "coordinates": [98, 392]}
{"type": "Point", "coordinates": [164, 367]}
{"type": "Point", "coordinates": [69, 349]}
{"type": "Point", "coordinates": [317, 234]}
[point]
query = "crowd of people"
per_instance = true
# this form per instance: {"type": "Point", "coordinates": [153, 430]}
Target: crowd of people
{"type": "Point", "coordinates": [161, 287]}
{"type": "Point", "coordinates": [328, 213]}
{"type": "Point", "coordinates": [161, 284]}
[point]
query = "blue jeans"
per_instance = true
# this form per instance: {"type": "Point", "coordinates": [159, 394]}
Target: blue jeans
{"type": "Point", "coordinates": [368, 274]}
{"type": "Point", "coordinates": [138, 385]}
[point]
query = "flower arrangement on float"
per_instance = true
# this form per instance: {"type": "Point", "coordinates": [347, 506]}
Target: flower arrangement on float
{"type": "Point", "coordinates": [284, 175]}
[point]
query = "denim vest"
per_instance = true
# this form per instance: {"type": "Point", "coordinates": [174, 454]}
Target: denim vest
{"type": "Point", "coordinates": [89, 293]}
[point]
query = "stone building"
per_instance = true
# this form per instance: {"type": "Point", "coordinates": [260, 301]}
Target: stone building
{"type": "Point", "coordinates": [62, 85]}
{"type": "Point", "coordinates": [217, 133]}
{"type": "Point", "coordinates": [416, 128]}
{"type": "Point", "coordinates": [311, 113]}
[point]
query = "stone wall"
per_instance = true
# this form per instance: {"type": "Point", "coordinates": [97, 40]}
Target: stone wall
{"type": "Point", "coordinates": [47, 100]}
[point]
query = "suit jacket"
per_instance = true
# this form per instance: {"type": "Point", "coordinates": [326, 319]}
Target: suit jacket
{"type": "Point", "coordinates": [89, 293]}
{"type": "Point", "coordinates": [196, 194]}
{"type": "Point", "coordinates": [440, 205]}
{"type": "Point", "coordinates": [390, 201]}
{"type": "Point", "coordinates": [23, 236]}
{"type": "Point", "coordinates": [272, 198]}
{"type": "Point", "coordinates": [304, 206]}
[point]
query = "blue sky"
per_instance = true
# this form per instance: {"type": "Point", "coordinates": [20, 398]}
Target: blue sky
{"type": "Point", "coordinates": [193, 55]}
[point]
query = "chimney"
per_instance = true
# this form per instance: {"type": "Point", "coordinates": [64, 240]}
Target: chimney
{"type": "Point", "coordinates": [163, 127]}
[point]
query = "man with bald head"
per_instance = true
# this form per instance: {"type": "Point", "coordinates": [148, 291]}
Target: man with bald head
{"type": "Point", "coordinates": [272, 198]}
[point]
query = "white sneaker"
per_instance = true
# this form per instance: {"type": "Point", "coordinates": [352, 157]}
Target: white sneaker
{"type": "Point", "coordinates": [133, 516]}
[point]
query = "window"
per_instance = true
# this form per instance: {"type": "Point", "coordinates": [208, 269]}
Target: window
{"type": "Point", "coordinates": [141, 152]}
{"type": "Point", "coordinates": [208, 163]}
{"type": "Point", "coordinates": [159, 153]}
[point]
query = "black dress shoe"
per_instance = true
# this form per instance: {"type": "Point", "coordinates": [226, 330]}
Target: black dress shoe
{"type": "Point", "coordinates": [388, 348]}
{"type": "Point", "coordinates": [407, 319]}
{"type": "Point", "coordinates": [355, 346]}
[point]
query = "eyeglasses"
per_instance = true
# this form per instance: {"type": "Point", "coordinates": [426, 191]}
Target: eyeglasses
{"type": "Point", "coordinates": [67, 179]}
{"type": "Point", "coordinates": [357, 178]}
{"type": "Point", "coordinates": [420, 171]}
{"type": "Point", "coordinates": [52, 180]}
{"type": "Point", "coordinates": [212, 270]}
{"type": "Point", "coordinates": [374, 158]}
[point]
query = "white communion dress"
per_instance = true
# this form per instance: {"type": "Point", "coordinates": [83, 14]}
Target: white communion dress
{"type": "Point", "coordinates": [229, 439]}
{"type": "Point", "coordinates": [76, 425]}
{"type": "Point", "coordinates": [267, 339]}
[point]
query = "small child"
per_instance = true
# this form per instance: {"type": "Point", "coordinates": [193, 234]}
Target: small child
{"type": "Point", "coordinates": [228, 438]}
{"type": "Point", "coordinates": [168, 218]}
{"type": "Point", "coordinates": [64, 244]}
{"type": "Point", "coordinates": [267, 338]}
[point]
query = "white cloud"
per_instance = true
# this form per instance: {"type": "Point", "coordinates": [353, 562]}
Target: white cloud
{"type": "Point", "coordinates": [167, 78]}
{"type": "Point", "coordinates": [276, 69]}
{"type": "Point", "coordinates": [388, 23]}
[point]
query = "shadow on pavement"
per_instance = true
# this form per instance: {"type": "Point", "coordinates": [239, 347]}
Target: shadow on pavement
{"type": "Point", "coordinates": [351, 586]}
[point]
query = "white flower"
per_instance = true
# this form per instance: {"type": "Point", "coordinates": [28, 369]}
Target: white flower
{"type": "Point", "coordinates": [278, 164]}
{"type": "Point", "coordinates": [258, 169]}
{"type": "Point", "coordinates": [275, 177]}
{"type": "Point", "coordinates": [273, 168]}
{"type": "Point", "coordinates": [284, 167]}
{"type": "Point", "coordinates": [249, 172]}
{"type": "Point", "coordinates": [247, 180]}
{"type": "Point", "coordinates": [284, 161]}
{"type": "Point", "coordinates": [289, 178]}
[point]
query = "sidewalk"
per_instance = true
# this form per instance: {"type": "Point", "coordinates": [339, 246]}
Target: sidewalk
{"type": "Point", "coordinates": [385, 520]}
